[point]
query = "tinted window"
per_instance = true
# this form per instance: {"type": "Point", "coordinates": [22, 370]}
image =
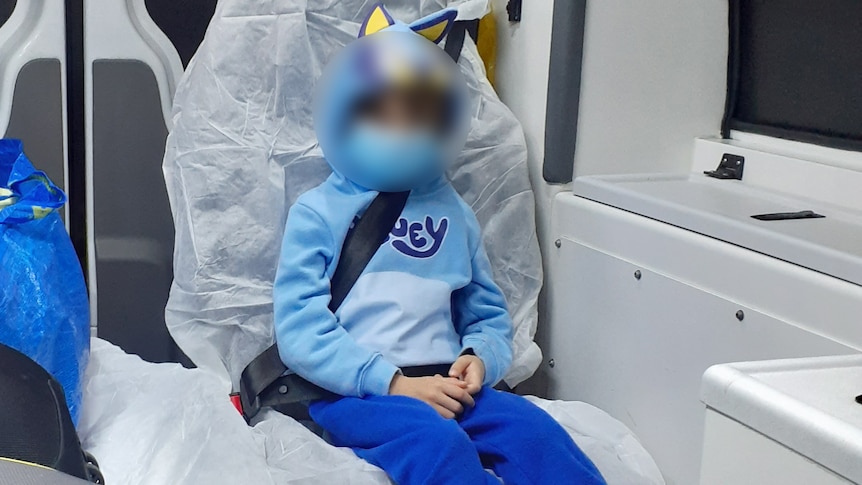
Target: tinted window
{"type": "Point", "coordinates": [796, 70]}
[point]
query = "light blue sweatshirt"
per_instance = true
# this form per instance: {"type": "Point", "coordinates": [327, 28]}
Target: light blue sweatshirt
{"type": "Point", "coordinates": [426, 296]}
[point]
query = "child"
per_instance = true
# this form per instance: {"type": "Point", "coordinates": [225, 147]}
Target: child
{"type": "Point", "coordinates": [392, 114]}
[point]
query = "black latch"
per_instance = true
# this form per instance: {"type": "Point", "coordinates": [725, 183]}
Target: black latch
{"type": "Point", "coordinates": [788, 216]}
{"type": "Point", "coordinates": [730, 168]}
{"type": "Point", "coordinates": [514, 10]}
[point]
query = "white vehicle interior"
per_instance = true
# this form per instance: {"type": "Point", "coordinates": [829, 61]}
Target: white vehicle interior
{"type": "Point", "coordinates": [669, 193]}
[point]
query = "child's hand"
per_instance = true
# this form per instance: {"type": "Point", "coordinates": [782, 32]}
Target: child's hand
{"type": "Point", "coordinates": [470, 370]}
{"type": "Point", "coordinates": [447, 396]}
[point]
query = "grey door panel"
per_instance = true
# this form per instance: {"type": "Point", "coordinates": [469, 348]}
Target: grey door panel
{"type": "Point", "coordinates": [132, 219]}
{"type": "Point", "coordinates": [37, 116]}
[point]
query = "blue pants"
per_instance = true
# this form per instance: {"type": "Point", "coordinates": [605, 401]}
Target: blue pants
{"type": "Point", "coordinates": [415, 445]}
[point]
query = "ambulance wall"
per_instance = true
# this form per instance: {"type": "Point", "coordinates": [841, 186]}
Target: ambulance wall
{"type": "Point", "coordinates": [523, 55]}
{"type": "Point", "coordinates": [654, 77]}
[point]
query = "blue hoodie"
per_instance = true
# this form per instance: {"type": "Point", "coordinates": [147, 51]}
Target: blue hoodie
{"type": "Point", "coordinates": [426, 296]}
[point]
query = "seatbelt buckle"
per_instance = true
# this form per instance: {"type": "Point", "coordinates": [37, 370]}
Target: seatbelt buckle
{"type": "Point", "coordinates": [237, 402]}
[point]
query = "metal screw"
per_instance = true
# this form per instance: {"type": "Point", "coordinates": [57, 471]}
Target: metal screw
{"type": "Point", "coordinates": [638, 275]}
{"type": "Point", "coordinates": [558, 243]}
{"type": "Point", "coordinates": [551, 363]}
{"type": "Point", "coordinates": [282, 389]}
{"type": "Point", "coordinates": [740, 315]}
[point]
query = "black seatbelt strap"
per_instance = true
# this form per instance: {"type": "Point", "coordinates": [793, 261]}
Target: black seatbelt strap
{"type": "Point", "coordinates": [263, 382]}
{"type": "Point", "coordinates": [455, 40]}
{"type": "Point", "coordinates": [363, 241]}
{"type": "Point", "coordinates": [457, 34]}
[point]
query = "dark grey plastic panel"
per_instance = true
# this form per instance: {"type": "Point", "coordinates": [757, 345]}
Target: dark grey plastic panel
{"type": "Point", "coordinates": [6, 9]}
{"type": "Point", "coordinates": [37, 116]}
{"type": "Point", "coordinates": [132, 221]}
{"type": "Point", "coordinates": [564, 90]}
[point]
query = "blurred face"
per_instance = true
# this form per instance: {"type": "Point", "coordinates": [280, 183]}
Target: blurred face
{"type": "Point", "coordinates": [391, 112]}
{"type": "Point", "coordinates": [414, 108]}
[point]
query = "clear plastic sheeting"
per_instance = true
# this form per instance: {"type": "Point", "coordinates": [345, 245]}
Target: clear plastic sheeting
{"type": "Point", "coordinates": [612, 447]}
{"type": "Point", "coordinates": [152, 424]}
{"type": "Point", "coordinates": [242, 149]}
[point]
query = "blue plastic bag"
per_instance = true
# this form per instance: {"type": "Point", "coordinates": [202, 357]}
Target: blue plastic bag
{"type": "Point", "coordinates": [44, 311]}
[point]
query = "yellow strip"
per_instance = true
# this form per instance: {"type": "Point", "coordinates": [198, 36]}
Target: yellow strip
{"type": "Point", "coordinates": [487, 46]}
{"type": "Point", "coordinates": [376, 22]}
{"type": "Point", "coordinates": [12, 460]}
{"type": "Point", "coordinates": [433, 32]}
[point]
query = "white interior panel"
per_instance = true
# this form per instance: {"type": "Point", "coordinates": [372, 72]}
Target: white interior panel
{"type": "Point", "coordinates": [523, 57]}
{"type": "Point", "coordinates": [723, 209]}
{"type": "Point", "coordinates": [637, 347]}
{"type": "Point", "coordinates": [653, 79]}
{"type": "Point", "coordinates": [121, 30]}
{"type": "Point", "coordinates": [36, 30]}
{"type": "Point", "coordinates": [736, 454]}
{"type": "Point", "coordinates": [806, 405]}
